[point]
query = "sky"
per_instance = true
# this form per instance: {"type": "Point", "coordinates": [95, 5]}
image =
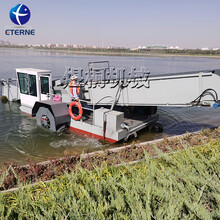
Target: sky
{"type": "Point", "coordinates": [124, 23]}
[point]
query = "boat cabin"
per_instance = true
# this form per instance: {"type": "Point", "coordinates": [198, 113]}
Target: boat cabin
{"type": "Point", "coordinates": [34, 85]}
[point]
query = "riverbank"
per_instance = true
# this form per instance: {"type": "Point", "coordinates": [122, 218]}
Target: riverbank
{"type": "Point", "coordinates": [122, 52]}
{"type": "Point", "coordinates": [183, 183]}
{"type": "Point", "coordinates": [43, 171]}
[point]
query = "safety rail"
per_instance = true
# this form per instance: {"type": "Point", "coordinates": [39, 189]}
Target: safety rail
{"type": "Point", "coordinates": [114, 101]}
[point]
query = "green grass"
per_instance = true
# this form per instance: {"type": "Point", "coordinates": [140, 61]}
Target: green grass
{"type": "Point", "coordinates": [185, 185]}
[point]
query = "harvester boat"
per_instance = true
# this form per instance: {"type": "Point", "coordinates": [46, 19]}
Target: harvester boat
{"type": "Point", "coordinates": [113, 105]}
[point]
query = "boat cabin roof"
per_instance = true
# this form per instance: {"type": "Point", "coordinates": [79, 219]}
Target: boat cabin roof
{"type": "Point", "coordinates": [32, 70]}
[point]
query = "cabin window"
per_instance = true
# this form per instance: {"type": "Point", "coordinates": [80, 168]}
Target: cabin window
{"type": "Point", "coordinates": [27, 84]}
{"type": "Point", "coordinates": [32, 85]}
{"type": "Point", "coordinates": [44, 85]}
{"type": "Point", "coordinates": [23, 82]}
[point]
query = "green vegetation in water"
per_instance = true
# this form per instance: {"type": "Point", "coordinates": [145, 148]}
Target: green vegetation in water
{"type": "Point", "coordinates": [184, 185]}
{"type": "Point", "coordinates": [4, 99]}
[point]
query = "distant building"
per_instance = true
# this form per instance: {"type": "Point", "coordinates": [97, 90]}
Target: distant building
{"type": "Point", "coordinates": [174, 48]}
{"type": "Point", "coordinates": [154, 47]}
{"type": "Point", "coordinates": [51, 45]}
{"type": "Point", "coordinates": [4, 43]}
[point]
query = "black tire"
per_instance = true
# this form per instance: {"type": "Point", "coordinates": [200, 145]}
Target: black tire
{"type": "Point", "coordinates": [46, 119]}
{"type": "Point", "coordinates": [156, 128]}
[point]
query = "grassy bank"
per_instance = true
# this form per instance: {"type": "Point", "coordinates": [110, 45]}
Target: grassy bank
{"type": "Point", "coordinates": [184, 185]}
{"type": "Point", "coordinates": [34, 172]}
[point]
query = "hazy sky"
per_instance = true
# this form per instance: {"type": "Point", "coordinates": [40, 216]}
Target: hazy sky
{"type": "Point", "coordinates": [128, 23]}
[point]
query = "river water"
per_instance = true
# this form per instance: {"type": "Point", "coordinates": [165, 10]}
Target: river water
{"type": "Point", "coordinates": [20, 138]}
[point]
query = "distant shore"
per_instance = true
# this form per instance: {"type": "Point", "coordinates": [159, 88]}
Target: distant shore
{"type": "Point", "coordinates": [122, 52]}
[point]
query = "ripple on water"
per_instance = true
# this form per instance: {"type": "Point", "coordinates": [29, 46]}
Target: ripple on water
{"type": "Point", "coordinates": [75, 141]}
{"type": "Point", "coordinates": [19, 150]}
{"type": "Point", "coordinates": [30, 140]}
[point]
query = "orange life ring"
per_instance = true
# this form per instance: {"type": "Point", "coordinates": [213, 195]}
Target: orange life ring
{"type": "Point", "coordinates": [76, 118]}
